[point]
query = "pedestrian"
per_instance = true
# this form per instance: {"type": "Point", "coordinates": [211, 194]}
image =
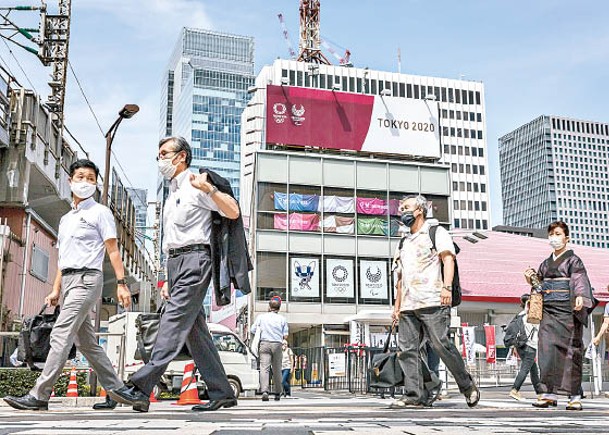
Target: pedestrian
{"type": "Point", "coordinates": [567, 299]}
{"type": "Point", "coordinates": [85, 234]}
{"type": "Point", "coordinates": [423, 305]}
{"type": "Point", "coordinates": [187, 228]}
{"type": "Point", "coordinates": [603, 330]}
{"type": "Point", "coordinates": [273, 331]}
{"type": "Point", "coordinates": [527, 353]}
{"type": "Point", "coordinates": [287, 365]}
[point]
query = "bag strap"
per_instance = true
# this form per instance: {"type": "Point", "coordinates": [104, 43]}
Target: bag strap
{"type": "Point", "coordinates": [432, 235]}
{"type": "Point", "coordinates": [389, 334]}
{"type": "Point", "coordinates": [142, 349]}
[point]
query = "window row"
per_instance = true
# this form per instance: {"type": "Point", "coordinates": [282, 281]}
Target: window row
{"type": "Point", "coordinates": [461, 116]}
{"type": "Point", "coordinates": [461, 132]}
{"type": "Point", "coordinates": [462, 150]}
{"type": "Point", "coordinates": [466, 168]}
{"type": "Point", "coordinates": [580, 126]}
{"type": "Point", "coordinates": [462, 186]}
{"type": "Point", "coordinates": [471, 224]}
{"type": "Point", "coordinates": [469, 205]}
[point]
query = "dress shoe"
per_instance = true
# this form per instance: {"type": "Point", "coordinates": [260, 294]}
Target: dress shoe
{"type": "Point", "coordinates": [108, 404]}
{"type": "Point", "coordinates": [27, 402]}
{"type": "Point", "coordinates": [214, 405]}
{"type": "Point", "coordinates": [277, 397]}
{"type": "Point", "coordinates": [472, 396]}
{"type": "Point", "coordinates": [265, 397]}
{"type": "Point", "coordinates": [545, 403]}
{"type": "Point", "coordinates": [131, 396]}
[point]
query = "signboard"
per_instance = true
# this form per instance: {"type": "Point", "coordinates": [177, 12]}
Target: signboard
{"type": "Point", "coordinates": [348, 121]}
{"type": "Point", "coordinates": [491, 354]}
{"type": "Point", "coordinates": [305, 277]}
{"type": "Point", "coordinates": [337, 363]}
{"type": "Point", "coordinates": [469, 344]}
{"type": "Point", "coordinates": [339, 278]}
{"type": "Point", "coordinates": [373, 279]}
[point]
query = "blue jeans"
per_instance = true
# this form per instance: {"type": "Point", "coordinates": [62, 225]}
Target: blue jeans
{"type": "Point", "coordinates": [434, 323]}
{"type": "Point", "coordinates": [285, 381]}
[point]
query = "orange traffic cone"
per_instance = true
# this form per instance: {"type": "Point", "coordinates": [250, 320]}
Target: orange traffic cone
{"type": "Point", "coordinates": [102, 392]}
{"type": "Point", "coordinates": [189, 394]}
{"type": "Point", "coordinates": [72, 386]}
{"type": "Point", "coordinates": [153, 399]}
{"type": "Point", "coordinates": [53, 392]}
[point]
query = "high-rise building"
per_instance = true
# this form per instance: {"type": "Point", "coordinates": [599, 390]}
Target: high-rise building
{"type": "Point", "coordinates": [204, 93]}
{"type": "Point", "coordinates": [140, 204]}
{"type": "Point", "coordinates": [556, 168]}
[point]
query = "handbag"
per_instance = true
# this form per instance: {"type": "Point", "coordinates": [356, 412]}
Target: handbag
{"type": "Point", "coordinates": [147, 331]}
{"type": "Point", "coordinates": [35, 338]}
{"type": "Point", "coordinates": [535, 312]}
{"type": "Point", "coordinates": [386, 371]}
{"type": "Point", "coordinates": [255, 344]}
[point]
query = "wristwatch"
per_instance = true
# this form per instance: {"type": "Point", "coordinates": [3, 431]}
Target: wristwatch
{"type": "Point", "coordinates": [121, 281]}
{"type": "Point", "coordinates": [213, 190]}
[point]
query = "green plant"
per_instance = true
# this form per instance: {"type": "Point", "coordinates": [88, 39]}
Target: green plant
{"type": "Point", "coordinates": [17, 382]}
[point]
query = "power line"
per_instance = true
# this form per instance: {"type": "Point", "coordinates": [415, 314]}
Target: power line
{"type": "Point", "coordinates": [76, 140]}
{"type": "Point", "coordinates": [82, 91]}
{"type": "Point", "coordinates": [19, 65]}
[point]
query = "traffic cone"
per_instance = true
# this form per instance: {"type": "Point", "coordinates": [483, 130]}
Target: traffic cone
{"type": "Point", "coordinates": [102, 392]}
{"type": "Point", "coordinates": [189, 395]}
{"type": "Point", "coordinates": [153, 399]}
{"type": "Point", "coordinates": [53, 392]}
{"type": "Point", "coordinates": [72, 386]}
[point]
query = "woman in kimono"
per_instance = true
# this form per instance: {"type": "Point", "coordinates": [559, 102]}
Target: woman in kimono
{"type": "Point", "coordinates": [567, 299]}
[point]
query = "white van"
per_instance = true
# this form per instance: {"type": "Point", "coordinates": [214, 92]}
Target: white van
{"type": "Point", "coordinates": [239, 362]}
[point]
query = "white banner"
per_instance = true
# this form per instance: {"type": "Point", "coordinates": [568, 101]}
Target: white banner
{"type": "Point", "coordinates": [337, 363]}
{"type": "Point", "coordinates": [373, 279]}
{"type": "Point", "coordinates": [339, 278]}
{"type": "Point", "coordinates": [469, 342]}
{"type": "Point", "coordinates": [305, 277]}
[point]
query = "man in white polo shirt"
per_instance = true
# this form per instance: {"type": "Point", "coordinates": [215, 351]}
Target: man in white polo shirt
{"type": "Point", "coordinates": [423, 304]}
{"type": "Point", "coordinates": [85, 234]}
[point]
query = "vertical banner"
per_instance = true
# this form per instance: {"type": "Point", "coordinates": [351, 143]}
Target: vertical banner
{"type": "Point", "coordinates": [469, 343]}
{"type": "Point", "coordinates": [339, 278]}
{"type": "Point", "coordinates": [305, 277]}
{"type": "Point", "coordinates": [373, 279]}
{"type": "Point", "coordinates": [491, 354]}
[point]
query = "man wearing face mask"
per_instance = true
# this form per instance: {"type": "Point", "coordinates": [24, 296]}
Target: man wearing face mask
{"type": "Point", "coordinates": [423, 303]}
{"type": "Point", "coordinates": [85, 234]}
{"type": "Point", "coordinates": [187, 224]}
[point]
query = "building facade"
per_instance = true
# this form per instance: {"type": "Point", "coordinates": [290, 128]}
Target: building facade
{"type": "Point", "coordinates": [556, 168]}
{"type": "Point", "coordinates": [327, 152]}
{"type": "Point", "coordinates": [204, 93]}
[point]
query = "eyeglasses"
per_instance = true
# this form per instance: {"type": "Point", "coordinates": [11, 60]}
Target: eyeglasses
{"type": "Point", "coordinates": [163, 156]}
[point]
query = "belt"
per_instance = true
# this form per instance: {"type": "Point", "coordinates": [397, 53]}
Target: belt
{"type": "Point", "coordinates": [555, 291]}
{"type": "Point", "coordinates": [173, 252]}
{"type": "Point", "coordinates": [564, 278]}
{"type": "Point", "coordinates": [72, 271]}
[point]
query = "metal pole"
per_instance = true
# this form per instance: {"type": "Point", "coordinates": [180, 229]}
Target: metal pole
{"type": "Point", "coordinates": [25, 261]}
{"type": "Point", "coordinates": [3, 227]}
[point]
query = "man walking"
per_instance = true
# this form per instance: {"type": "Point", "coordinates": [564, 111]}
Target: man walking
{"type": "Point", "coordinates": [187, 219]}
{"type": "Point", "coordinates": [423, 304]}
{"type": "Point", "coordinates": [527, 353]}
{"type": "Point", "coordinates": [273, 330]}
{"type": "Point", "coordinates": [85, 233]}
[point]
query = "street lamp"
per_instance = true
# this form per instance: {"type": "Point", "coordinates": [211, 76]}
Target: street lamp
{"type": "Point", "coordinates": [125, 113]}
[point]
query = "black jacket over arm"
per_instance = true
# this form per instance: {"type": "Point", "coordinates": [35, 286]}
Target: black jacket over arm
{"type": "Point", "coordinates": [230, 257]}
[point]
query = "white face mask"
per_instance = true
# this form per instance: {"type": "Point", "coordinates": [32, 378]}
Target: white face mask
{"type": "Point", "coordinates": [167, 168]}
{"type": "Point", "coordinates": [82, 189]}
{"type": "Point", "coordinates": [556, 242]}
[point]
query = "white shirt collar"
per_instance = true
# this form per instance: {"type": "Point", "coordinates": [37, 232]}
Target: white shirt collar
{"type": "Point", "coordinates": [84, 204]}
{"type": "Point", "coordinates": [177, 181]}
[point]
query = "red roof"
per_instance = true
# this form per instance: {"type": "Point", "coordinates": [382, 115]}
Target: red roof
{"type": "Point", "coordinates": [492, 270]}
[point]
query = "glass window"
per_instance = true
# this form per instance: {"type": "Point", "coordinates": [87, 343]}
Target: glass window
{"type": "Point", "coordinates": [416, 91]}
{"type": "Point", "coordinates": [39, 266]}
{"type": "Point", "coordinates": [225, 342]}
{"type": "Point", "coordinates": [271, 275]}
{"type": "Point", "coordinates": [373, 89]}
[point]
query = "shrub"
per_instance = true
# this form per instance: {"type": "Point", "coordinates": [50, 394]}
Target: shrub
{"type": "Point", "coordinates": [17, 382]}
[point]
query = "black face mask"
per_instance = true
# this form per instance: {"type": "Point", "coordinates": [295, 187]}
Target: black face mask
{"type": "Point", "coordinates": [408, 218]}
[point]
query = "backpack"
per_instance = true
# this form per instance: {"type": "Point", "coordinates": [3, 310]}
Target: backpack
{"type": "Point", "coordinates": [456, 284]}
{"type": "Point", "coordinates": [515, 333]}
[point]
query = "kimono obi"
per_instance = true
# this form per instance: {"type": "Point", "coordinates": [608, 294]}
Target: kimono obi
{"type": "Point", "coordinates": [556, 289]}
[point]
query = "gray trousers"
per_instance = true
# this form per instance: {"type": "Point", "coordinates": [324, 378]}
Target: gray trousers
{"type": "Point", "coordinates": [73, 326]}
{"type": "Point", "coordinates": [183, 322]}
{"type": "Point", "coordinates": [434, 323]}
{"type": "Point", "coordinates": [271, 354]}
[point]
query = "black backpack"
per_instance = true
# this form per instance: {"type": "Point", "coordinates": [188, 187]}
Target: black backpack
{"type": "Point", "coordinates": [456, 284]}
{"type": "Point", "coordinates": [515, 333]}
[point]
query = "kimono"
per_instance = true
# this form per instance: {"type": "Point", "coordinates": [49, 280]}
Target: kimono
{"type": "Point", "coordinates": [560, 345]}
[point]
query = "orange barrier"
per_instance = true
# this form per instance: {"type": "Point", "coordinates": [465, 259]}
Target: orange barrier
{"type": "Point", "coordinates": [189, 395]}
{"type": "Point", "coordinates": [72, 386]}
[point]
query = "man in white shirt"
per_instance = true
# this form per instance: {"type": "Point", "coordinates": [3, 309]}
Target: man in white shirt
{"type": "Point", "coordinates": [273, 330]}
{"type": "Point", "coordinates": [187, 221]}
{"type": "Point", "coordinates": [527, 354]}
{"type": "Point", "coordinates": [423, 304]}
{"type": "Point", "coordinates": [85, 234]}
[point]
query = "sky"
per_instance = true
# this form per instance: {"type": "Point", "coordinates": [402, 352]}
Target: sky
{"type": "Point", "coordinates": [534, 57]}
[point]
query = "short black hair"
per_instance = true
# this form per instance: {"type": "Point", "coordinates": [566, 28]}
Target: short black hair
{"type": "Point", "coordinates": [559, 224]}
{"type": "Point", "coordinates": [179, 144]}
{"type": "Point", "coordinates": [83, 163]}
{"type": "Point", "coordinates": [275, 304]}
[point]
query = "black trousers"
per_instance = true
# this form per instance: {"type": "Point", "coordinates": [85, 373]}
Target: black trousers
{"type": "Point", "coordinates": [189, 275]}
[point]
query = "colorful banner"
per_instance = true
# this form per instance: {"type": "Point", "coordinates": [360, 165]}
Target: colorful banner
{"type": "Point", "coordinates": [305, 277]}
{"type": "Point", "coordinates": [489, 333]}
{"type": "Point", "coordinates": [298, 202]}
{"type": "Point", "coordinates": [337, 204]}
{"type": "Point", "coordinates": [348, 121]}
{"type": "Point", "coordinates": [371, 226]}
{"type": "Point", "coordinates": [469, 344]}
{"type": "Point", "coordinates": [339, 278]}
{"type": "Point", "coordinates": [371, 206]}
{"type": "Point", "coordinates": [297, 222]}
{"type": "Point", "coordinates": [338, 224]}
{"type": "Point", "coordinates": [373, 279]}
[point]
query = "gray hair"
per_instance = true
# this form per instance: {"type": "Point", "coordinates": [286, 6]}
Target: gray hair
{"type": "Point", "coordinates": [420, 202]}
{"type": "Point", "coordinates": [179, 144]}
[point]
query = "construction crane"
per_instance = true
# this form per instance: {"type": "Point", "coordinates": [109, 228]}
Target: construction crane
{"type": "Point", "coordinates": [345, 60]}
{"type": "Point", "coordinates": [310, 40]}
{"type": "Point", "coordinates": [286, 36]}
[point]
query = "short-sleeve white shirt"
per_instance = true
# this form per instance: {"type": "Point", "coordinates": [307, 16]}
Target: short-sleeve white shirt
{"type": "Point", "coordinates": [82, 233]}
{"type": "Point", "coordinates": [421, 268]}
{"type": "Point", "coordinates": [187, 214]}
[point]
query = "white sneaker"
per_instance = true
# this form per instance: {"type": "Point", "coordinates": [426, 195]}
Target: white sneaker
{"type": "Point", "coordinates": [515, 394]}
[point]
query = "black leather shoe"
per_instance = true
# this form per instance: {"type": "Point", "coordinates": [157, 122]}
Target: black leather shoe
{"type": "Point", "coordinates": [545, 403]}
{"type": "Point", "coordinates": [131, 396]}
{"type": "Point", "coordinates": [214, 405]}
{"type": "Point", "coordinates": [27, 402]}
{"type": "Point", "coordinates": [277, 397]}
{"type": "Point", "coordinates": [108, 404]}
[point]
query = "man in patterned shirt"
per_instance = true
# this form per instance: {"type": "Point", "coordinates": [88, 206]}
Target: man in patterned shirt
{"type": "Point", "coordinates": [423, 303]}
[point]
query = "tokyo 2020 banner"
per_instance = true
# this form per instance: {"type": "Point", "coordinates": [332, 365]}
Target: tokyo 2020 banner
{"type": "Point", "coordinates": [346, 121]}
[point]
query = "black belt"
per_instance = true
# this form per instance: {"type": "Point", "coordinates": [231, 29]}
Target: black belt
{"type": "Point", "coordinates": [72, 271]}
{"type": "Point", "coordinates": [173, 252]}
